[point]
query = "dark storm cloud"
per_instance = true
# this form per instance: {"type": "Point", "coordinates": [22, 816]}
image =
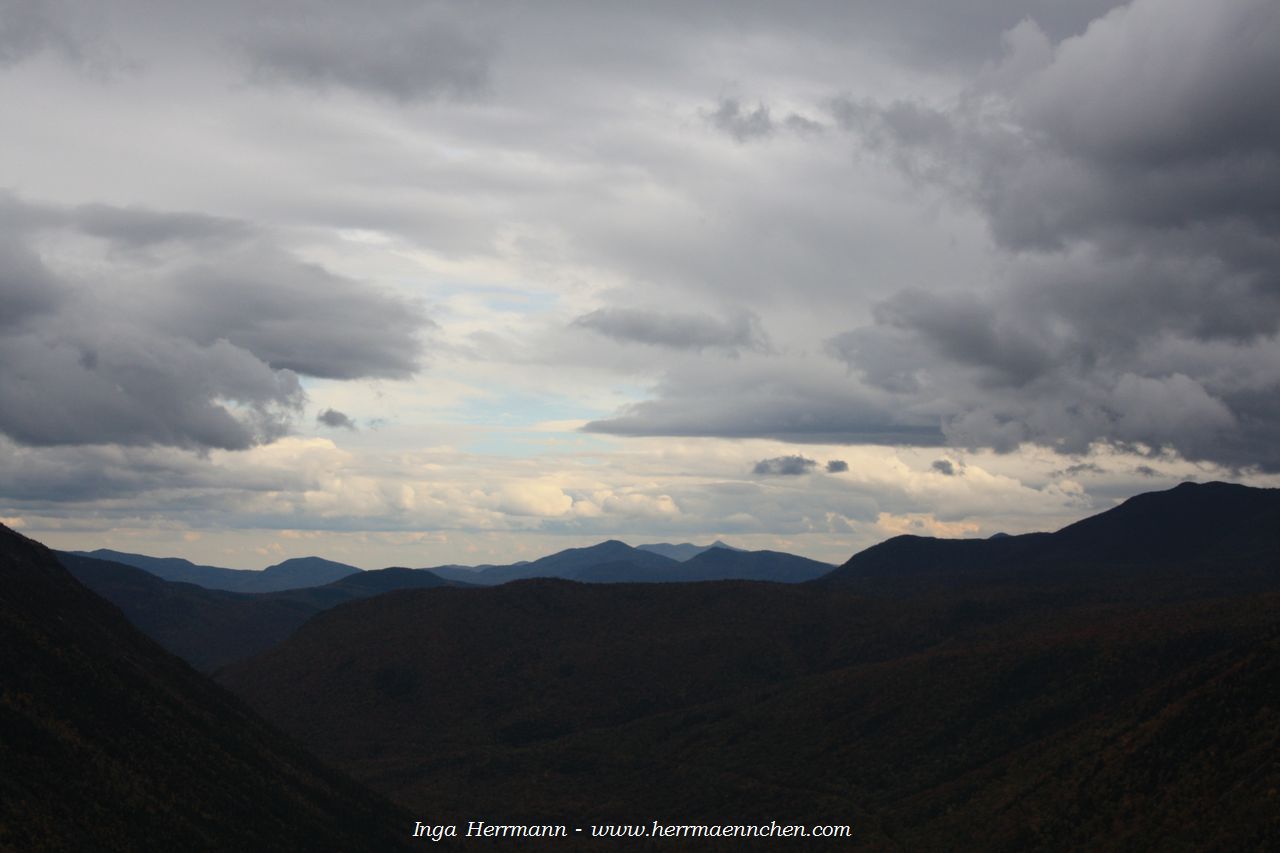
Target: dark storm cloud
{"type": "Point", "coordinates": [741, 123]}
{"type": "Point", "coordinates": [1159, 117]}
{"type": "Point", "coordinates": [678, 331]}
{"type": "Point", "coordinates": [100, 380]}
{"type": "Point", "coordinates": [803, 125]}
{"type": "Point", "coordinates": [770, 398]}
{"type": "Point", "coordinates": [407, 54]}
{"type": "Point", "coordinates": [784, 466]}
{"type": "Point", "coordinates": [27, 288]}
{"type": "Point", "coordinates": [925, 33]}
{"type": "Point", "coordinates": [411, 48]}
{"type": "Point", "coordinates": [176, 480]}
{"type": "Point", "coordinates": [944, 467]}
{"type": "Point", "coordinates": [335, 419]}
{"type": "Point", "coordinates": [962, 331]}
{"type": "Point", "coordinates": [1081, 468]}
{"type": "Point", "coordinates": [903, 127]}
{"type": "Point", "coordinates": [200, 348]}
{"type": "Point", "coordinates": [1134, 177]}
{"type": "Point", "coordinates": [297, 316]}
{"type": "Point", "coordinates": [1156, 118]}
{"type": "Point", "coordinates": [234, 284]}
{"type": "Point", "coordinates": [141, 228]}
{"type": "Point", "coordinates": [932, 33]}
{"type": "Point", "coordinates": [750, 123]}
{"type": "Point", "coordinates": [58, 474]}
{"type": "Point", "coordinates": [837, 466]}
{"type": "Point", "coordinates": [811, 421]}
{"type": "Point", "coordinates": [28, 27]}
{"type": "Point", "coordinates": [1200, 73]}
{"type": "Point", "coordinates": [123, 227]}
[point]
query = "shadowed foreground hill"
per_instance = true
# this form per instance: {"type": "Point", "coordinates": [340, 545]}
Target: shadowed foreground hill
{"type": "Point", "coordinates": [210, 628]}
{"type": "Point", "coordinates": [108, 743]}
{"type": "Point", "coordinates": [1056, 709]}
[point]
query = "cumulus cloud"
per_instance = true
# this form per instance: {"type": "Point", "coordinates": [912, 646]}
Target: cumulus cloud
{"type": "Point", "coordinates": [944, 467]}
{"type": "Point", "coordinates": [196, 345]}
{"type": "Point", "coordinates": [784, 466]}
{"type": "Point", "coordinates": [743, 331]}
{"type": "Point", "coordinates": [837, 466]}
{"type": "Point", "coordinates": [335, 419]}
{"type": "Point", "coordinates": [80, 385]}
{"type": "Point", "coordinates": [1134, 181]}
{"type": "Point", "coordinates": [925, 524]}
{"type": "Point", "coordinates": [531, 498]}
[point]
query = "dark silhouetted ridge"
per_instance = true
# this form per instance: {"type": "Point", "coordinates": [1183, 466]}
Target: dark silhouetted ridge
{"type": "Point", "coordinates": [291, 574]}
{"type": "Point", "coordinates": [210, 628]}
{"type": "Point", "coordinates": [107, 742]}
{"type": "Point", "coordinates": [1190, 520]}
{"type": "Point", "coordinates": [379, 581]}
{"type": "Point", "coordinates": [725, 564]}
{"type": "Point", "coordinates": [1212, 523]}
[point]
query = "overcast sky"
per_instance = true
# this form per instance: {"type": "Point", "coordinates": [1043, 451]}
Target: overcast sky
{"type": "Point", "coordinates": [403, 283]}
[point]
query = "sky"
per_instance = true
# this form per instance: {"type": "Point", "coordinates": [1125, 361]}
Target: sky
{"type": "Point", "coordinates": [414, 283]}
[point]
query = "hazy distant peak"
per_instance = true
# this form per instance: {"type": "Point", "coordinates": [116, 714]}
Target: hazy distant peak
{"type": "Point", "coordinates": [682, 552]}
{"type": "Point", "coordinates": [310, 564]}
{"type": "Point", "coordinates": [305, 572]}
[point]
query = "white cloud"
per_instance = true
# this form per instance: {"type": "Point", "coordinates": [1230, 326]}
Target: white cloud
{"type": "Point", "coordinates": [541, 499]}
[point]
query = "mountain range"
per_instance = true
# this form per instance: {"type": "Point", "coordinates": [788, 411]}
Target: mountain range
{"type": "Point", "coordinates": [617, 562]}
{"type": "Point", "coordinates": [1006, 704]}
{"type": "Point", "coordinates": [685, 550]}
{"type": "Point", "coordinates": [607, 562]}
{"type": "Point", "coordinates": [290, 574]}
{"type": "Point", "coordinates": [209, 628]}
{"type": "Point", "coordinates": [1112, 685]}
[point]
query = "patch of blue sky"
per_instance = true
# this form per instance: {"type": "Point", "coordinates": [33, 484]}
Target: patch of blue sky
{"type": "Point", "coordinates": [512, 298]}
{"type": "Point", "coordinates": [516, 423]}
{"type": "Point", "coordinates": [524, 444]}
{"type": "Point", "coordinates": [508, 408]}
